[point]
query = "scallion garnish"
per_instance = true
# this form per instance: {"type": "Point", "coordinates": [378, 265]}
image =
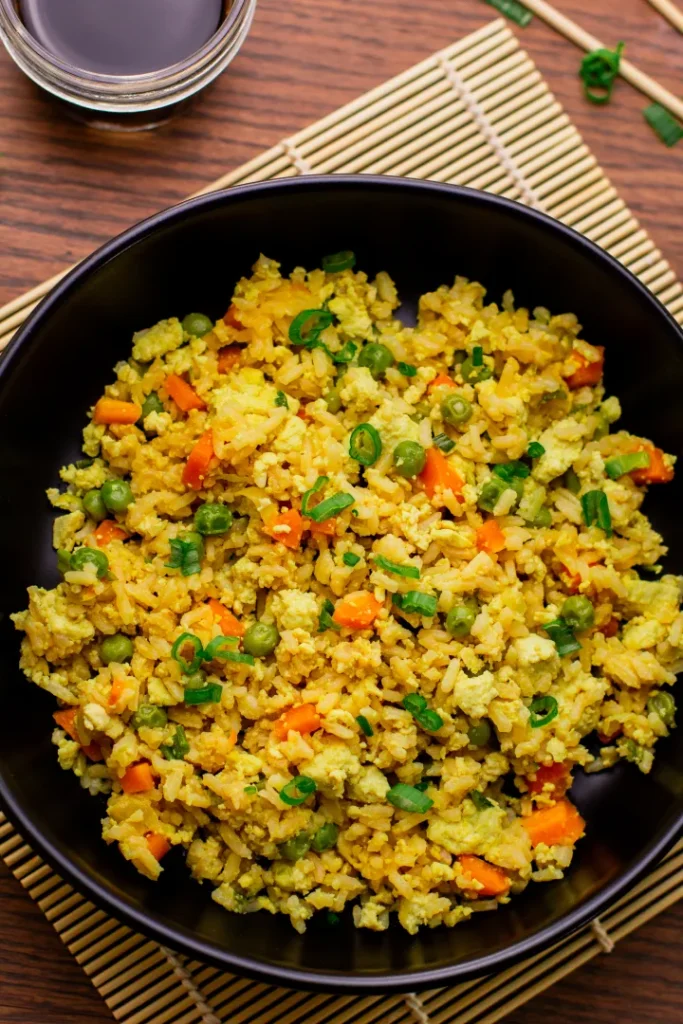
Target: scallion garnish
{"type": "Point", "coordinates": [622, 464]}
{"type": "Point", "coordinates": [186, 555]}
{"type": "Point", "coordinates": [409, 571]}
{"type": "Point", "coordinates": [661, 121]}
{"type": "Point", "coordinates": [330, 507]}
{"type": "Point", "coordinates": [306, 328]}
{"type": "Point", "coordinates": [178, 747]}
{"type": "Point", "coordinates": [185, 640]}
{"type": "Point", "coordinates": [535, 450]}
{"type": "Point", "coordinates": [596, 510]}
{"type": "Point", "coordinates": [297, 790]}
{"type": "Point", "coordinates": [509, 470]}
{"type": "Point", "coordinates": [543, 710]}
{"type": "Point", "coordinates": [562, 636]}
{"type": "Point", "coordinates": [339, 261]}
{"type": "Point", "coordinates": [325, 620]}
{"type": "Point", "coordinates": [365, 725]}
{"type": "Point", "coordinates": [345, 354]}
{"type": "Point", "coordinates": [209, 694]}
{"type": "Point", "coordinates": [598, 71]}
{"type": "Point", "coordinates": [408, 798]}
{"type": "Point", "coordinates": [477, 356]}
{"type": "Point", "coordinates": [444, 443]}
{"type": "Point", "coordinates": [416, 704]}
{"type": "Point", "coordinates": [407, 369]}
{"type": "Point", "coordinates": [416, 601]}
{"type": "Point", "coordinates": [479, 800]}
{"type": "Point", "coordinates": [307, 495]}
{"type": "Point", "coordinates": [513, 10]}
{"type": "Point", "coordinates": [281, 400]}
{"type": "Point", "coordinates": [365, 444]}
{"type": "Point", "coordinates": [348, 558]}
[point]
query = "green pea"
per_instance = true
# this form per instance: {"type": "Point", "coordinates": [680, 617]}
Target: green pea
{"type": "Point", "coordinates": [542, 518]}
{"type": "Point", "coordinates": [333, 400]}
{"type": "Point", "coordinates": [455, 409]}
{"type": "Point", "coordinates": [118, 648]}
{"type": "Point", "coordinates": [261, 639]}
{"type": "Point", "coordinates": [212, 519]}
{"type": "Point", "coordinates": [479, 734]}
{"type": "Point", "coordinates": [422, 411]}
{"type": "Point", "coordinates": [326, 837]}
{"type": "Point", "coordinates": [602, 428]}
{"type": "Point", "coordinates": [460, 619]}
{"type": "Point", "coordinates": [296, 847]}
{"type": "Point", "coordinates": [663, 705]}
{"type": "Point", "coordinates": [578, 613]}
{"type": "Point", "coordinates": [149, 716]}
{"type": "Point", "coordinates": [196, 681]}
{"type": "Point", "coordinates": [89, 558]}
{"type": "Point", "coordinates": [116, 495]}
{"type": "Point", "coordinates": [377, 358]}
{"type": "Point", "coordinates": [63, 560]}
{"type": "Point", "coordinates": [197, 324]}
{"type": "Point", "coordinates": [472, 374]}
{"type": "Point", "coordinates": [151, 404]}
{"type": "Point", "coordinates": [491, 492]}
{"type": "Point", "coordinates": [94, 506]}
{"type": "Point", "coordinates": [409, 458]}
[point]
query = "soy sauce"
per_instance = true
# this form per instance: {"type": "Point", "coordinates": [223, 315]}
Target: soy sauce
{"type": "Point", "coordinates": [122, 37]}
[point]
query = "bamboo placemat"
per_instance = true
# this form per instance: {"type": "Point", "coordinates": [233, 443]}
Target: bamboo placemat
{"type": "Point", "coordinates": [477, 113]}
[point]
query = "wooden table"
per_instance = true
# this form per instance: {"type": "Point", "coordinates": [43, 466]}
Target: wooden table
{"type": "Point", "coordinates": [66, 189]}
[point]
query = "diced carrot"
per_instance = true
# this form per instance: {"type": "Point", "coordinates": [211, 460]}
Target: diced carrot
{"type": "Point", "coordinates": [442, 380]}
{"type": "Point", "coordinates": [287, 527]}
{"type": "Point", "coordinates": [138, 778]}
{"type": "Point", "coordinates": [604, 738]}
{"type": "Point", "coordinates": [112, 410]}
{"type": "Point", "coordinates": [302, 413]}
{"type": "Point", "coordinates": [303, 719]}
{"type": "Point", "coordinates": [199, 461]}
{"type": "Point", "coordinates": [182, 393]}
{"type": "Point", "coordinates": [572, 580]}
{"type": "Point", "coordinates": [490, 537]}
{"type": "Point", "coordinates": [231, 318]}
{"type": "Point", "coordinates": [229, 358]}
{"type": "Point", "coordinates": [439, 475]}
{"type": "Point", "coordinates": [107, 531]}
{"type": "Point", "coordinates": [658, 472]}
{"type": "Point", "coordinates": [587, 373]}
{"type": "Point", "coordinates": [357, 611]}
{"type": "Point", "coordinates": [66, 720]}
{"type": "Point", "coordinates": [495, 881]}
{"type": "Point", "coordinates": [556, 775]}
{"type": "Point", "coordinates": [230, 626]}
{"type": "Point", "coordinates": [157, 845]}
{"type": "Point", "coordinates": [559, 825]}
{"type": "Point", "coordinates": [327, 528]}
{"type": "Point", "coordinates": [93, 751]}
{"type": "Point", "coordinates": [116, 692]}
{"type": "Point", "coordinates": [610, 628]}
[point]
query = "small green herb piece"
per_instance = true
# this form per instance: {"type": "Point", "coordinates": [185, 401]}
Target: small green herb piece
{"type": "Point", "coordinates": [306, 328]}
{"type": "Point", "coordinates": [535, 450]}
{"type": "Point", "coordinates": [414, 703]}
{"type": "Point", "coordinates": [543, 710]}
{"type": "Point", "coordinates": [477, 356]}
{"type": "Point", "coordinates": [596, 510]}
{"type": "Point", "coordinates": [297, 790]}
{"type": "Point", "coordinates": [444, 443]}
{"type": "Point", "coordinates": [479, 800]}
{"type": "Point", "coordinates": [345, 354]}
{"type": "Point", "coordinates": [408, 798]}
{"type": "Point", "coordinates": [407, 369]}
{"type": "Point", "coordinates": [307, 495]}
{"type": "Point", "coordinates": [281, 400]}
{"type": "Point", "coordinates": [178, 747]}
{"type": "Point", "coordinates": [663, 124]}
{"type": "Point", "coordinates": [186, 553]}
{"type": "Point", "coordinates": [510, 470]}
{"type": "Point", "coordinates": [409, 571]}
{"type": "Point", "coordinates": [622, 464]}
{"type": "Point", "coordinates": [562, 636]}
{"type": "Point", "coordinates": [63, 560]}
{"type": "Point", "coordinates": [149, 716]}
{"type": "Point", "coordinates": [152, 403]}
{"type": "Point", "coordinates": [416, 602]}
{"type": "Point", "coordinates": [339, 261]}
{"type": "Point", "coordinates": [598, 71]}
{"type": "Point", "coordinates": [330, 507]}
{"type": "Point", "coordinates": [513, 10]}
{"type": "Point", "coordinates": [325, 620]}
{"type": "Point", "coordinates": [209, 694]}
{"type": "Point", "coordinates": [348, 558]}
{"type": "Point", "coordinates": [365, 725]}
{"type": "Point", "coordinates": [422, 786]}
{"type": "Point", "coordinates": [552, 396]}
{"type": "Point", "coordinates": [180, 649]}
{"type": "Point", "coordinates": [365, 444]}
{"type": "Point", "coordinates": [223, 647]}
{"type": "Point", "coordinates": [572, 482]}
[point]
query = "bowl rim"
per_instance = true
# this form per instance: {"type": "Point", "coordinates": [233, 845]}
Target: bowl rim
{"type": "Point", "coordinates": [147, 922]}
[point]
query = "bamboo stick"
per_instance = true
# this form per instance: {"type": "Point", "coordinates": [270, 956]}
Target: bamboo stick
{"type": "Point", "coordinates": [670, 11]}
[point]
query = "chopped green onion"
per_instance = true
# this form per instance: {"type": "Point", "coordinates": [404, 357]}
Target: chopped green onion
{"type": "Point", "coordinates": [407, 369]}
{"type": "Point", "coordinates": [421, 787]}
{"type": "Point", "coordinates": [214, 649]}
{"type": "Point", "coordinates": [188, 667]}
{"type": "Point", "coordinates": [281, 400]}
{"type": "Point", "coordinates": [365, 725]}
{"type": "Point", "coordinates": [622, 464]}
{"type": "Point", "coordinates": [513, 10]}
{"type": "Point", "coordinates": [509, 470]}
{"type": "Point", "coordinates": [415, 601]}
{"type": "Point", "coordinates": [550, 396]}
{"type": "Point", "coordinates": [596, 510]}
{"type": "Point", "coordinates": [330, 507]}
{"type": "Point", "coordinates": [251, 789]}
{"type": "Point", "coordinates": [297, 790]}
{"type": "Point", "coordinates": [535, 450]}
{"type": "Point", "coordinates": [410, 571]}
{"type": "Point", "coordinates": [477, 356]}
{"type": "Point", "coordinates": [662, 122]}
{"type": "Point", "coordinates": [63, 560]}
{"type": "Point", "coordinates": [414, 702]}
{"type": "Point", "coordinates": [178, 747]}
{"type": "Point", "coordinates": [444, 443]}
{"type": "Point", "coordinates": [365, 444]}
{"type": "Point", "coordinates": [186, 555]}
{"type": "Point", "coordinates": [307, 495]}
{"type": "Point", "coordinates": [209, 694]}
{"type": "Point", "coordinates": [348, 558]}
{"type": "Point", "coordinates": [429, 720]}
{"type": "Point", "coordinates": [479, 800]}
{"type": "Point", "coordinates": [598, 71]}
{"type": "Point", "coordinates": [408, 798]}
{"type": "Point", "coordinates": [325, 620]}
{"type": "Point", "coordinates": [572, 482]}
{"type": "Point", "coordinates": [543, 710]}
{"type": "Point", "coordinates": [345, 354]}
{"type": "Point", "coordinates": [562, 636]}
{"type": "Point", "coordinates": [339, 261]}
{"type": "Point", "coordinates": [306, 328]}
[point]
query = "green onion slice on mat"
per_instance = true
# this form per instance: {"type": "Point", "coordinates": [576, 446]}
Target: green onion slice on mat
{"type": "Point", "coordinates": [663, 123]}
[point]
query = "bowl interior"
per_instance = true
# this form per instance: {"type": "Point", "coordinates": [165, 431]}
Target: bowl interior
{"type": "Point", "coordinates": [188, 260]}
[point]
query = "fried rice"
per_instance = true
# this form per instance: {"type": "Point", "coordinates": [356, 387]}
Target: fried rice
{"type": "Point", "coordinates": [328, 672]}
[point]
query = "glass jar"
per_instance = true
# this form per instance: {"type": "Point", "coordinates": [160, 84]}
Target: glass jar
{"type": "Point", "coordinates": [125, 102]}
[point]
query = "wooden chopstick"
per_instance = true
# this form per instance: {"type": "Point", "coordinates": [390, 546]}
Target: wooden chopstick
{"type": "Point", "coordinates": [568, 28]}
{"type": "Point", "coordinates": [670, 12]}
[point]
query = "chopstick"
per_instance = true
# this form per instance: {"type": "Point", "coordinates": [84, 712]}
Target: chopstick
{"type": "Point", "coordinates": [568, 28]}
{"type": "Point", "coordinates": [669, 11]}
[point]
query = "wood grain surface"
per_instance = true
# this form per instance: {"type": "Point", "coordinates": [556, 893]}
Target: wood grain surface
{"type": "Point", "coordinates": [64, 189]}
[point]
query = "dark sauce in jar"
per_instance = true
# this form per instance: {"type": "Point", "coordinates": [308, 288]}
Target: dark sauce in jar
{"type": "Point", "coordinates": [122, 37]}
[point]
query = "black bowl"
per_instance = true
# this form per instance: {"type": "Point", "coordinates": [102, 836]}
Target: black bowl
{"type": "Point", "coordinates": [189, 258]}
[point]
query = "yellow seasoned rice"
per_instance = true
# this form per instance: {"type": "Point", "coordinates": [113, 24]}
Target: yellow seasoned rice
{"type": "Point", "coordinates": [281, 418]}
